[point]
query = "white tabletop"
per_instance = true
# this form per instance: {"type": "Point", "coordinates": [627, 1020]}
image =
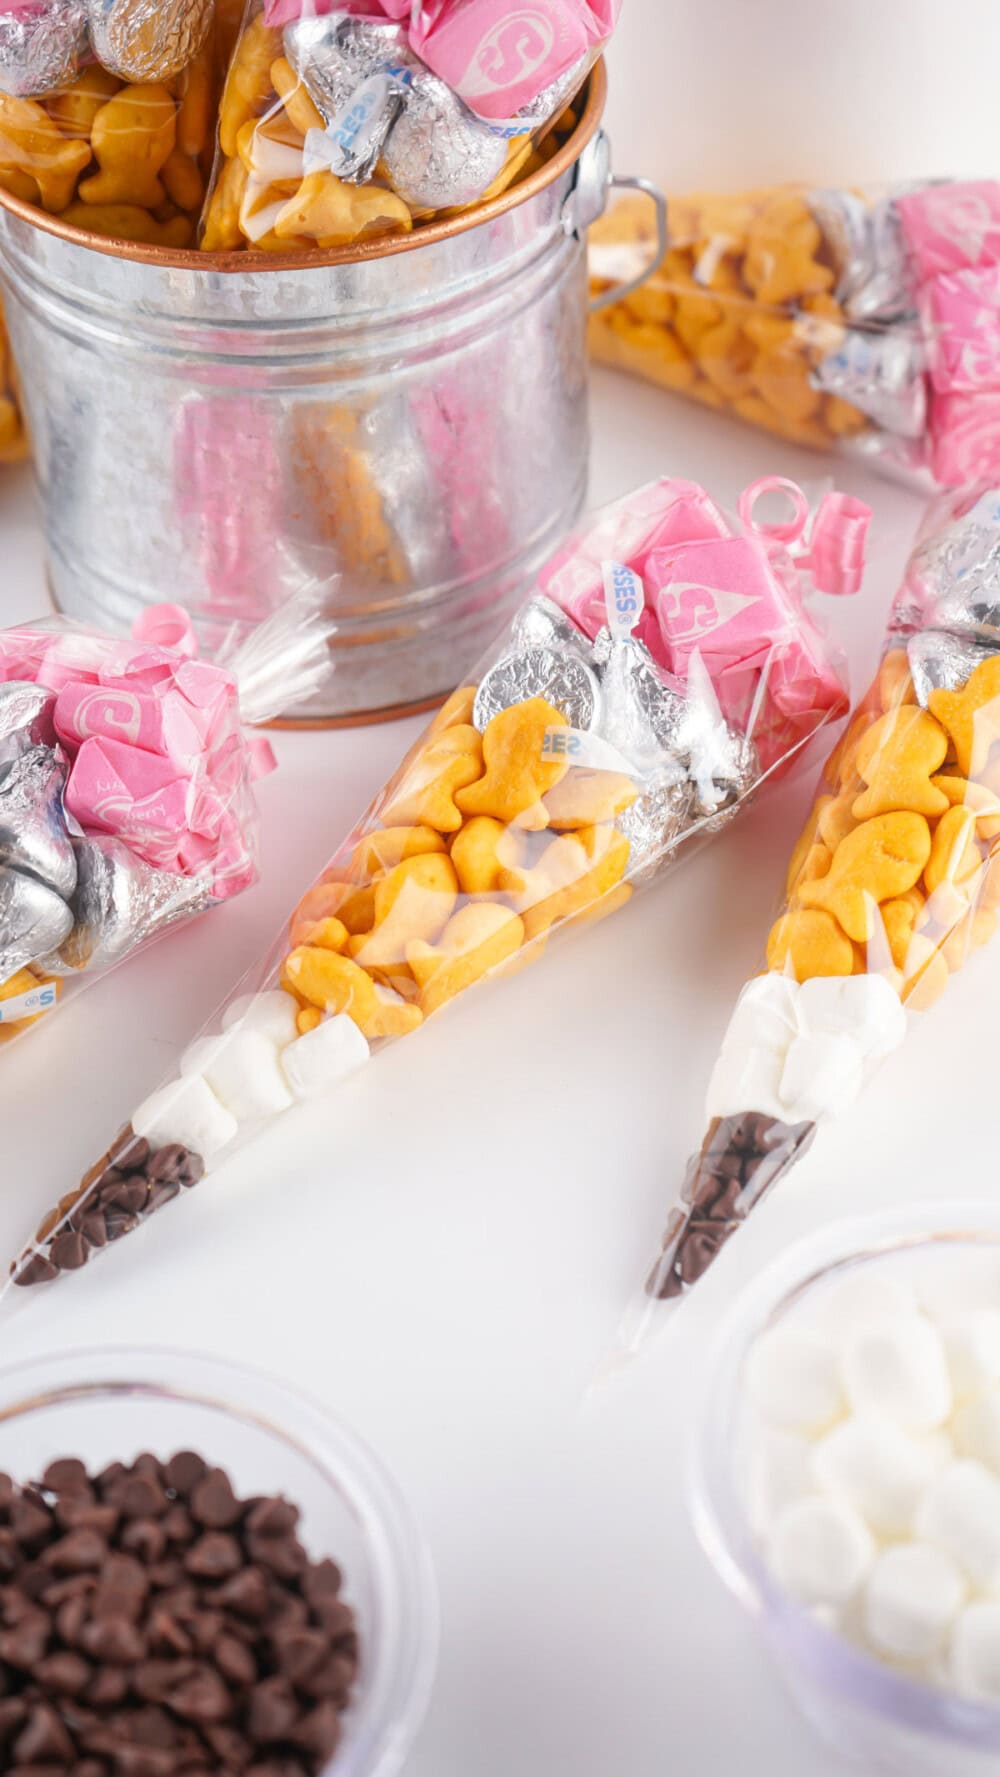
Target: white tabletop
{"type": "Point", "coordinates": [444, 1252]}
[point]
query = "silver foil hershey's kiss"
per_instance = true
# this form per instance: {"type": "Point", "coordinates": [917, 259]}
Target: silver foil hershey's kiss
{"type": "Point", "coordinates": [882, 373]}
{"type": "Point", "coordinates": [25, 717]}
{"type": "Point", "coordinates": [640, 714]}
{"type": "Point", "coordinates": [119, 903]}
{"type": "Point", "coordinates": [942, 662]}
{"type": "Point", "coordinates": [355, 71]}
{"type": "Point", "coordinates": [438, 155]}
{"type": "Point", "coordinates": [33, 835]}
{"type": "Point", "coordinates": [541, 623]}
{"type": "Point", "coordinates": [41, 46]}
{"type": "Point", "coordinates": [148, 39]}
{"type": "Point", "coordinates": [564, 680]}
{"type": "Point", "coordinates": [33, 919]}
{"type": "Point", "coordinates": [655, 822]}
{"type": "Point", "coordinates": [865, 241]}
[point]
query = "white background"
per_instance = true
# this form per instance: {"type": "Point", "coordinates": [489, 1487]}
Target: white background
{"type": "Point", "coordinates": [444, 1254]}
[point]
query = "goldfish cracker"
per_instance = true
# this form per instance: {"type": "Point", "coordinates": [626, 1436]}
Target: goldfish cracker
{"type": "Point", "coordinates": [222, 232]}
{"type": "Point", "coordinates": [428, 794]}
{"type": "Point", "coordinates": [183, 181]}
{"type": "Point", "coordinates": [385, 847]}
{"type": "Point", "coordinates": [895, 681]}
{"type": "Point", "coordinates": [74, 107]}
{"type": "Point", "coordinates": [352, 906]}
{"type": "Point", "coordinates": [602, 863]}
{"type": "Point", "coordinates": [31, 143]}
{"type": "Point", "coordinates": [925, 974]}
{"type": "Point", "coordinates": [336, 984]}
{"type": "Point", "coordinates": [804, 844]}
{"type": "Point", "coordinates": [194, 104]}
{"type": "Point", "coordinates": [332, 213]}
{"type": "Point", "coordinates": [132, 137]}
{"type": "Point", "coordinates": [971, 716]}
{"type": "Point", "coordinates": [297, 104]}
{"type": "Point", "coordinates": [456, 709]}
{"type": "Point", "coordinates": [980, 797]}
{"type": "Point", "coordinates": [836, 819]}
{"type": "Point", "coordinates": [479, 938]}
{"type": "Point", "coordinates": [899, 918]}
{"type": "Point", "coordinates": [517, 775]}
{"type": "Point", "coordinates": [248, 90]}
{"type": "Point", "coordinates": [414, 900]}
{"type": "Point", "coordinates": [307, 1019]}
{"type": "Point", "coordinates": [607, 904]}
{"type": "Point", "coordinates": [804, 943]}
{"type": "Point", "coordinates": [585, 797]}
{"type": "Point", "coordinates": [955, 857]}
{"type": "Point", "coordinates": [481, 853]}
{"type": "Point", "coordinates": [129, 222]}
{"type": "Point", "coordinates": [897, 759]}
{"type": "Point", "coordinates": [879, 861]}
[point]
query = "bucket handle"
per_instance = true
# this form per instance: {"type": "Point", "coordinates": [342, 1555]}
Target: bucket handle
{"type": "Point", "coordinates": [618, 292]}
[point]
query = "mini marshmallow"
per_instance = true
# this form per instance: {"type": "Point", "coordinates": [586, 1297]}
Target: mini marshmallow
{"type": "Point", "coordinates": [913, 1594]}
{"type": "Point", "coordinates": [188, 1112]}
{"type": "Point", "coordinates": [765, 1015]}
{"type": "Point", "coordinates": [865, 1299]}
{"type": "Point", "coordinates": [878, 1469]}
{"type": "Point", "coordinates": [316, 1061]}
{"type": "Point", "coordinates": [820, 1551]}
{"type": "Point", "coordinates": [960, 1514]}
{"type": "Point", "coordinates": [897, 1369]}
{"type": "Point", "coordinates": [972, 1348]}
{"type": "Point", "coordinates": [821, 1077]}
{"type": "Point", "coordinates": [243, 1068]}
{"type": "Point", "coordinates": [780, 1473]}
{"type": "Point", "coordinates": [273, 1014]}
{"type": "Point", "coordinates": [975, 1652]}
{"type": "Point", "coordinates": [745, 1079]}
{"type": "Point", "coordinates": [864, 1007]}
{"type": "Point", "coordinates": [976, 1430]}
{"type": "Point", "coordinates": [794, 1380]}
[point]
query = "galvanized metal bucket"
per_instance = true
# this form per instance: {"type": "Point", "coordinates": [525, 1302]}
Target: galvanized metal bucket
{"type": "Point", "coordinates": [406, 420]}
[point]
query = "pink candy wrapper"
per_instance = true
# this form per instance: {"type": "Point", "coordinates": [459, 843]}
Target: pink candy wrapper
{"type": "Point", "coordinates": [126, 773]}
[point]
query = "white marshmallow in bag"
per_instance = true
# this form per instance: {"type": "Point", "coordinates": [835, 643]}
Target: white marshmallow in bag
{"type": "Point", "coordinates": [975, 1652]}
{"type": "Point", "coordinates": [898, 1369]}
{"type": "Point", "coordinates": [822, 1077]}
{"type": "Point", "coordinates": [745, 1080]}
{"type": "Point", "coordinates": [765, 1015]}
{"type": "Point", "coordinates": [243, 1068]}
{"type": "Point", "coordinates": [272, 1013]}
{"type": "Point", "coordinates": [188, 1112]}
{"type": "Point", "coordinates": [316, 1061]}
{"type": "Point", "coordinates": [794, 1380]}
{"type": "Point", "coordinates": [865, 1298]}
{"type": "Point", "coordinates": [976, 1429]}
{"type": "Point", "coordinates": [972, 1347]}
{"type": "Point", "coordinates": [864, 1007]}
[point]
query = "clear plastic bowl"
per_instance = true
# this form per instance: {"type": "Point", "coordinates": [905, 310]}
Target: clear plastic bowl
{"type": "Point", "coordinates": [868, 1711]}
{"type": "Point", "coordinates": [109, 1404]}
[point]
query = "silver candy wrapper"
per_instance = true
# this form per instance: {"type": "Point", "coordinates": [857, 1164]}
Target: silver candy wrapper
{"type": "Point", "coordinates": [955, 574]}
{"type": "Point", "coordinates": [41, 47]}
{"type": "Point", "coordinates": [33, 835]}
{"type": "Point", "coordinates": [882, 373]}
{"type": "Point", "coordinates": [562, 679]}
{"type": "Point", "coordinates": [640, 715]}
{"type": "Point", "coordinates": [866, 244]}
{"type": "Point", "coordinates": [541, 623]}
{"type": "Point", "coordinates": [655, 822]}
{"type": "Point", "coordinates": [547, 104]}
{"type": "Point", "coordinates": [25, 717]}
{"type": "Point", "coordinates": [942, 662]}
{"type": "Point", "coordinates": [437, 155]}
{"type": "Point", "coordinates": [148, 39]}
{"type": "Point", "coordinates": [343, 61]}
{"type": "Point", "coordinates": [33, 918]}
{"type": "Point", "coordinates": [119, 903]}
{"type": "Point", "coordinates": [971, 604]}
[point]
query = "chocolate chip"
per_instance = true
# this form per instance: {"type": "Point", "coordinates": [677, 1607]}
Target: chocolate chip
{"type": "Point", "coordinates": [69, 1251]}
{"type": "Point", "coordinates": [184, 1471]}
{"type": "Point", "coordinates": [246, 1593]}
{"type": "Point", "coordinates": [179, 1526]}
{"type": "Point", "coordinates": [272, 1517]}
{"type": "Point", "coordinates": [322, 1579]}
{"type": "Point", "coordinates": [129, 1151]}
{"type": "Point", "coordinates": [131, 1196]}
{"type": "Point", "coordinates": [319, 1731]}
{"type": "Point", "coordinates": [117, 1223]}
{"type": "Point", "coordinates": [13, 1714]}
{"type": "Point", "coordinates": [235, 1661]}
{"type": "Point", "coordinates": [299, 1652]}
{"type": "Point", "coordinates": [162, 1194]}
{"type": "Point", "coordinates": [167, 1163]}
{"type": "Point", "coordinates": [24, 1645]}
{"type": "Point", "coordinates": [10, 1554]}
{"type": "Point", "coordinates": [78, 1513]}
{"type": "Point", "coordinates": [273, 1710]}
{"type": "Point", "coordinates": [67, 1476]}
{"type": "Point", "coordinates": [63, 1673]}
{"type": "Point", "coordinates": [114, 1640]}
{"type": "Point", "coordinates": [203, 1697]}
{"type": "Point", "coordinates": [280, 1555]}
{"type": "Point", "coordinates": [36, 1269]}
{"type": "Point", "coordinates": [145, 1538]}
{"type": "Point", "coordinates": [93, 1229]}
{"type": "Point", "coordinates": [333, 1679]}
{"type": "Point", "coordinates": [80, 1551]}
{"type": "Point", "coordinates": [214, 1556]}
{"type": "Point", "coordinates": [43, 1740]}
{"type": "Point", "coordinates": [143, 1497]}
{"type": "Point", "coordinates": [213, 1502]}
{"type": "Point", "coordinates": [109, 1687]}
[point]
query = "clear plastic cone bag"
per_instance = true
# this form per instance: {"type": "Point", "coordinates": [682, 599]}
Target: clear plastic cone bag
{"type": "Point", "coordinates": [616, 721]}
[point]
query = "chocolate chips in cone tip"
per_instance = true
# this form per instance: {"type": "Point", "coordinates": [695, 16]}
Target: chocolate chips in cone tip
{"type": "Point", "coordinates": [130, 1182]}
{"type": "Point", "coordinates": [120, 1664]}
{"type": "Point", "coordinates": [741, 1158]}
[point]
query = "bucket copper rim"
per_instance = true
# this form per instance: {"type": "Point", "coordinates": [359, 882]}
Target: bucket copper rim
{"type": "Point", "coordinates": [380, 247]}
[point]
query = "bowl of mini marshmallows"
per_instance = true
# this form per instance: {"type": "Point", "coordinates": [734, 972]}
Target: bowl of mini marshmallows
{"type": "Point", "coordinates": [201, 1572]}
{"type": "Point", "coordinates": [846, 1483]}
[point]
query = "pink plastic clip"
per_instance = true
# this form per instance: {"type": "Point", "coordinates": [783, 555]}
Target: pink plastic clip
{"type": "Point", "coordinates": [777, 533]}
{"type": "Point", "coordinates": [836, 556]}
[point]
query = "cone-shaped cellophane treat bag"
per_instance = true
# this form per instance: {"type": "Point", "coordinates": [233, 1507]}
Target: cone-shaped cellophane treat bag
{"type": "Point", "coordinates": [664, 668]}
{"type": "Point", "coordinates": [893, 886]}
{"type": "Point", "coordinates": [13, 443]}
{"type": "Point", "coordinates": [832, 317]}
{"type": "Point", "coordinates": [343, 122]}
{"type": "Point", "coordinates": [126, 787]}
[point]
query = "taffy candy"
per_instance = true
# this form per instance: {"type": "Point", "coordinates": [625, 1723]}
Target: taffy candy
{"type": "Point", "coordinates": [13, 443]}
{"type": "Point", "coordinates": [611, 724]}
{"type": "Point", "coordinates": [126, 799]}
{"type": "Point", "coordinates": [334, 128]}
{"type": "Point", "coordinates": [107, 110]}
{"type": "Point", "coordinates": [827, 316]}
{"type": "Point", "coordinates": [892, 887]}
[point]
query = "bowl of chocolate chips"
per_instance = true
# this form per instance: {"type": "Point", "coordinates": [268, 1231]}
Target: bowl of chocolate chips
{"type": "Point", "coordinates": [201, 1573]}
